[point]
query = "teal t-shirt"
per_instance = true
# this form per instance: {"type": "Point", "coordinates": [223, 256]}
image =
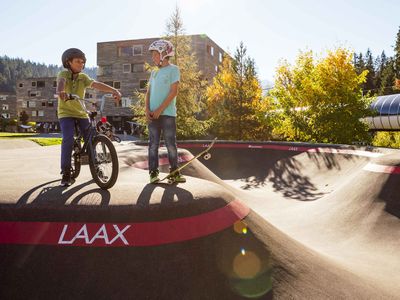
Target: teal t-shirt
{"type": "Point", "coordinates": [160, 84]}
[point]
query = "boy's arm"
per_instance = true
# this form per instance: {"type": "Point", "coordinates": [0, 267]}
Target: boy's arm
{"type": "Point", "coordinates": [147, 103]}
{"type": "Point", "coordinates": [61, 88]}
{"type": "Point", "coordinates": [106, 88]}
{"type": "Point", "coordinates": [173, 92]}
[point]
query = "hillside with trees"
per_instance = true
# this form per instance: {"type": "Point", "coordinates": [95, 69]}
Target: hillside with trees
{"type": "Point", "coordinates": [12, 69]}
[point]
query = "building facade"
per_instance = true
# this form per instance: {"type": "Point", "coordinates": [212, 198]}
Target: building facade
{"type": "Point", "coordinates": [8, 105]}
{"type": "Point", "coordinates": [36, 98]}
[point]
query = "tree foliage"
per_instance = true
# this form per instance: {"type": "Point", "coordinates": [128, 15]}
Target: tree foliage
{"type": "Point", "coordinates": [320, 100]}
{"type": "Point", "coordinates": [191, 96]}
{"type": "Point", "coordinates": [234, 100]}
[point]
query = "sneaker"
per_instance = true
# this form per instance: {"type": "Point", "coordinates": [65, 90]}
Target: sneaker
{"type": "Point", "coordinates": [66, 179]}
{"type": "Point", "coordinates": [177, 177]}
{"type": "Point", "coordinates": [154, 176]}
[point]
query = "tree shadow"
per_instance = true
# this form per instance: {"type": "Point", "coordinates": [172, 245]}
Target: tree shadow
{"type": "Point", "coordinates": [390, 195]}
{"type": "Point", "coordinates": [284, 171]}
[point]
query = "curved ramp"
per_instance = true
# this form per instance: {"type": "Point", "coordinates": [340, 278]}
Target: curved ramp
{"type": "Point", "coordinates": [256, 221]}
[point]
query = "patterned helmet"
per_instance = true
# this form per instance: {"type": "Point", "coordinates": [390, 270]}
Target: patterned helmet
{"type": "Point", "coordinates": [163, 46]}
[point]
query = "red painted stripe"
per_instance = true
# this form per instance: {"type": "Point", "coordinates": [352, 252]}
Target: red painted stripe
{"type": "Point", "coordinates": [382, 169]}
{"type": "Point", "coordinates": [122, 234]}
{"type": "Point", "coordinates": [285, 148]}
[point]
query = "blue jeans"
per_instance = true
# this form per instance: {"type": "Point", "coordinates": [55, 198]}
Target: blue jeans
{"type": "Point", "coordinates": [167, 125]}
{"type": "Point", "coordinates": [67, 128]}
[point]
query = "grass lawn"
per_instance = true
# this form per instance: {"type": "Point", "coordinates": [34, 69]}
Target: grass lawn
{"type": "Point", "coordinates": [16, 135]}
{"type": "Point", "coordinates": [31, 136]}
{"type": "Point", "coordinates": [47, 141]}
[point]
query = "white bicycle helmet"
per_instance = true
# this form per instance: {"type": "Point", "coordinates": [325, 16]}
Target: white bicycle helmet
{"type": "Point", "coordinates": [162, 46]}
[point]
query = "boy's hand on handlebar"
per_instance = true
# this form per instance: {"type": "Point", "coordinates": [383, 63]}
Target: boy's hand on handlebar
{"type": "Point", "coordinates": [117, 95]}
{"type": "Point", "coordinates": [63, 95]}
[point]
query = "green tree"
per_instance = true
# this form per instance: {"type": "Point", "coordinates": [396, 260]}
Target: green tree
{"type": "Point", "coordinates": [321, 100]}
{"type": "Point", "coordinates": [397, 56]}
{"type": "Point", "coordinates": [24, 117]}
{"type": "Point", "coordinates": [191, 96]}
{"type": "Point", "coordinates": [369, 85]}
{"type": "Point", "coordinates": [234, 100]}
{"type": "Point", "coordinates": [388, 78]}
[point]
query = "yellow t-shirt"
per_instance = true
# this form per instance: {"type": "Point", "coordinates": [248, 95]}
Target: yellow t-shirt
{"type": "Point", "coordinates": [72, 108]}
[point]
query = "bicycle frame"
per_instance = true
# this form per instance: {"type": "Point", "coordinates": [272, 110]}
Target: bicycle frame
{"type": "Point", "coordinates": [90, 131]}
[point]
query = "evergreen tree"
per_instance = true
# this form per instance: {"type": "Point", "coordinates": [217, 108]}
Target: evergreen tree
{"type": "Point", "coordinates": [397, 56]}
{"type": "Point", "coordinates": [388, 78]}
{"type": "Point", "coordinates": [12, 69]}
{"type": "Point", "coordinates": [380, 63]}
{"type": "Point", "coordinates": [234, 100]}
{"type": "Point", "coordinates": [369, 87]}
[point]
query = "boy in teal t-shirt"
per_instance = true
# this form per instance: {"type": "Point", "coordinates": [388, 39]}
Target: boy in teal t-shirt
{"type": "Point", "coordinates": [161, 108]}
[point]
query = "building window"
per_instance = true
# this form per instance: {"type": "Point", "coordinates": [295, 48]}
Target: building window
{"type": "Point", "coordinates": [24, 104]}
{"type": "Point", "coordinates": [138, 50]}
{"type": "Point", "coordinates": [125, 51]}
{"type": "Point", "coordinates": [3, 97]}
{"type": "Point", "coordinates": [41, 113]}
{"type": "Point", "coordinates": [50, 104]}
{"type": "Point", "coordinates": [30, 103]}
{"type": "Point", "coordinates": [40, 84]}
{"type": "Point", "coordinates": [34, 113]}
{"type": "Point", "coordinates": [33, 83]}
{"type": "Point", "coordinates": [138, 68]}
{"type": "Point", "coordinates": [104, 70]}
{"type": "Point", "coordinates": [126, 68]}
{"type": "Point", "coordinates": [216, 69]}
{"type": "Point", "coordinates": [21, 85]}
{"type": "Point", "coordinates": [210, 50]}
{"type": "Point", "coordinates": [5, 107]}
{"type": "Point", "coordinates": [143, 84]}
{"type": "Point", "coordinates": [5, 115]}
{"type": "Point", "coordinates": [43, 103]}
{"type": "Point", "coordinates": [34, 94]}
{"type": "Point", "coordinates": [117, 85]}
{"type": "Point", "coordinates": [126, 102]}
{"type": "Point", "coordinates": [54, 84]}
{"type": "Point", "coordinates": [220, 57]}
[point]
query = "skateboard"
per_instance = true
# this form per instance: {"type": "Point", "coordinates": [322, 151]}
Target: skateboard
{"type": "Point", "coordinates": [207, 156]}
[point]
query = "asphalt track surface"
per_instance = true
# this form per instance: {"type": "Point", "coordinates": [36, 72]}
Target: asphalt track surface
{"type": "Point", "coordinates": [256, 221]}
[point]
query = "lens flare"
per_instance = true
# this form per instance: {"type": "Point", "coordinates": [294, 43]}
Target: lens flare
{"type": "Point", "coordinates": [240, 227]}
{"type": "Point", "coordinates": [246, 264]}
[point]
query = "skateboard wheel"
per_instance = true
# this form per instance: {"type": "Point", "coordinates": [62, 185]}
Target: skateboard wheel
{"type": "Point", "coordinates": [207, 156]}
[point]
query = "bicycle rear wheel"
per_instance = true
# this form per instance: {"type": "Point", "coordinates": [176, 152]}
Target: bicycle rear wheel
{"type": "Point", "coordinates": [104, 165]}
{"type": "Point", "coordinates": [76, 159]}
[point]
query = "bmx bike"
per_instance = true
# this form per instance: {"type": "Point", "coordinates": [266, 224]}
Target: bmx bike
{"type": "Point", "coordinates": [102, 156]}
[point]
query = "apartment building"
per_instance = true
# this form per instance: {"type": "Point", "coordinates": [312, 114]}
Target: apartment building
{"type": "Point", "coordinates": [36, 97]}
{"type": "Point", "coordinates": [8, 106]}
{"type": "Point", "coordinates": [121, 64]}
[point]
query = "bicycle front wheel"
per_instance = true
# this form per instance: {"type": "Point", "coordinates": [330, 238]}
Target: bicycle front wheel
{"type": "Point", "coordinates": [76, 159]}
{"type": "Point", "coordinates": [103, 162]}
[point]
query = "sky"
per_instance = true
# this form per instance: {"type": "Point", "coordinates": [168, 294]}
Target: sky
{"type": "Point", "coordinates": [272, 31]}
